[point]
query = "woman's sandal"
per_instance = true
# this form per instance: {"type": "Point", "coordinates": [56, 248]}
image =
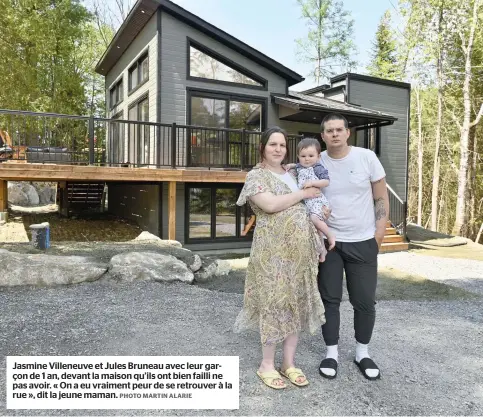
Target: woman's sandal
{"type": "Point", "coordinates": [270, 376]}
{"type": "Point", "coordinates": [292, 374]}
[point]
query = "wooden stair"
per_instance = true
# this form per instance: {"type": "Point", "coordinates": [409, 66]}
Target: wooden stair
{"type": "Point", "coordinates": [77, 197]}
{"type": "Point", "coordinates": [393, 242]}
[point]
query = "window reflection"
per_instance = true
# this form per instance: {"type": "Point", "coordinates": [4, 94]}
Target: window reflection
{"type": "Point", "coordinates": [225, 212]}
{"type": "Point", "coordinates": [200, 213]}
{"type": "Point", "coordinates": [205, 66]}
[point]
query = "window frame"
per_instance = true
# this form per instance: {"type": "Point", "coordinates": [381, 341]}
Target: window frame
{"type": "Point", "coordinates": [377, 144]}
{"type": "Point", "coordinates": [238, 214]}
{"type": "Point", "coordinates": [223, 60]}
{"type": "Point", "coordinates": [136, 104]}
{"type": "Point", "coordinates": [114, 89]}
{"type": "Point", "coordinates": [137, 65]}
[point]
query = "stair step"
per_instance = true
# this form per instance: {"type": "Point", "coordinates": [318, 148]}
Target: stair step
{"type": "Point", "coordinates": [394, 247]}
{"type": "Point", "coordinates": [391, 231]}
{"type": "Point", "coordinates": [392, 239]}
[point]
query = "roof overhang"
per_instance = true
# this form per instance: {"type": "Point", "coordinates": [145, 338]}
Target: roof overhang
{"type": "Point", "coordinates": [308, 109]}
{"type": "Point", "coordinates": [143, 10]}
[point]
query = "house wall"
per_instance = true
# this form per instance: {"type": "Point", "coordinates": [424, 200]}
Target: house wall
{"type": "Point", "coordinates": [393, 151]}
{"type": "Point", "coordinates": [174, 67]}
{"type": "Point", "coordinates": [146, 41]}
{"type": "Point", "coordinates": [137, 202]}
{"type": "Point", "coordinates": [335, 95]}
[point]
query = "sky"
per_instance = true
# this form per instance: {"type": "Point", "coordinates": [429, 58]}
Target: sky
{"type": "Point", "coordinates": [271, 26]}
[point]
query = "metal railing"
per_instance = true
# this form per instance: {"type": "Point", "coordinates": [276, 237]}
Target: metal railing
{"type": "Point", "coordinates": [65, 139]}
{"type": "Point", "coordinates": [398, 210]}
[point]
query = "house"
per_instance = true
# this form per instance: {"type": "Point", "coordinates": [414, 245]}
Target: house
{"type": "Point", "coordinates": [185, 96]}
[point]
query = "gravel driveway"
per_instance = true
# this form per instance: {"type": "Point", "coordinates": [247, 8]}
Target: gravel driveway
{"type": "Point", "coordinates": [462, 273]}
{"type": "Point", "coordinates": [429, 351]}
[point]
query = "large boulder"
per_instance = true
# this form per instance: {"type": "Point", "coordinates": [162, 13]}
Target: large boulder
{"type": "Point", "coordinates": [146, 236]}
{"type": "Point", "coordinates": [213, 268]}
{"type": "Point", "coordinates": [31, 193]}
{"type": "Point", "coordinates": [40, 269]}
{"type": "Point", "coordinates": [16, 196]}
{"type": "Point", "coordinates": [133, 266]}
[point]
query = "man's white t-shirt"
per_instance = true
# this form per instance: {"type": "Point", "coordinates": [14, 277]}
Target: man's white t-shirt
{"type": "Point", "coordinates": [350, 194]}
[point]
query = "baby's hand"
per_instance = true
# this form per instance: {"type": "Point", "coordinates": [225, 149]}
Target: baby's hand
{"type": "Point", "coordinates": [309, 184]}
{"type": "Point", "coordinates": [288, 167]}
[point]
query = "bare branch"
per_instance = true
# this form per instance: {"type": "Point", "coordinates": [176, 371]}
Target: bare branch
{"type": "Point", "coordinates": [478, 117]}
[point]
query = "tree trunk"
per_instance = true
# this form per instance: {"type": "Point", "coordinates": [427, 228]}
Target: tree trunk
{"type": "Point", "coordinates": [465, 130]}
{"type": "Point", "coordinates": [479, 234]}
{"type": "Point", "coordinates": [420, 158]}
{"type": "Point", "coordinates": [471, 189]}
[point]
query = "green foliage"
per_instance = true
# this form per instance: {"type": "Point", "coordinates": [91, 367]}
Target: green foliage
{"type": "Point", "coordinates": [384, 52]}
{"type": "Point", "coordinates": [329, 45]}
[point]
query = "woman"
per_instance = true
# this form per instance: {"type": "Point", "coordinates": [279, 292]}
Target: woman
{"type": "Point", "coordinates": [281, 294]}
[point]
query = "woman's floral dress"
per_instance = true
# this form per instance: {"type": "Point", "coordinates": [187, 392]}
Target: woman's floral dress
{"type": "Point", "coordinates": [281, 293]}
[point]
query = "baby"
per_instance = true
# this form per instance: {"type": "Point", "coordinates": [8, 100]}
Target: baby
{"type": "Point", "coordinates": [311, 173]}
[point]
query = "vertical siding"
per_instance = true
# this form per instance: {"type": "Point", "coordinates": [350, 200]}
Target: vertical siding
{"type": "Point", "coordinates": [395, 101]}
{"type": "Point", "coordinates": [174, 71]}
{"type": "Point", "coordinates": [147, 40]}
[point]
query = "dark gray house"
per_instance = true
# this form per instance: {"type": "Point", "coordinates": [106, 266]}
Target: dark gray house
{"type": "Point", "coordinates": [170, 68]}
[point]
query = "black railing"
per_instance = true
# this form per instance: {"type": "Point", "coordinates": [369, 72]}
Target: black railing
{"type": "Point", "coordinates": [64, 139]}
{"type": "Point", "coordinates": [397, 212]}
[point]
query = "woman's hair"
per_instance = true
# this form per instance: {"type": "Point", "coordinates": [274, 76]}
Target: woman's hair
{"type": "Point", "coordinates": [307, 143]}
{"type": "Point", "coordinates": [266, 136]}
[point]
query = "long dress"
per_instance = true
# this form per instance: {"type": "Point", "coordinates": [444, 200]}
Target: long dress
{"type": "Point", "coordinates": [281, 293]}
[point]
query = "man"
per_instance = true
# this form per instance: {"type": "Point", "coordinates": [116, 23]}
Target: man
{"type": "Point", "coordinates": [360, 204]}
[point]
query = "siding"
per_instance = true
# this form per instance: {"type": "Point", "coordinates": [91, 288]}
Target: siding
{"type": "Point", "coordinates": [147, 40]}
{"type": "Point", "coordinates": [174, 71]}
{"type": "Point", "coordinates": [394, 138]}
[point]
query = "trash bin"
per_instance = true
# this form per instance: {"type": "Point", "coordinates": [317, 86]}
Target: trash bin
{"type": "Point", "coordinates": [40, 235]}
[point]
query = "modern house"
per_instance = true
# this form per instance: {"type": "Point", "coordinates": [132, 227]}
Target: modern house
{"type": "Point", "coordinates": [186, 103]}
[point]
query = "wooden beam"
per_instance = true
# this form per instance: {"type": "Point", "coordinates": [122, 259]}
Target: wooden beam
{"type": "Point", "coordinates": [3, 195]}
{"type": "Point", "coordinates": [53, 172]}
{"type": "Point", "coordinates": [172, 210]}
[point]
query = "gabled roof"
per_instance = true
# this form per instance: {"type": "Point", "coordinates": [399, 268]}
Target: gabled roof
{"type": "Point", "coordinates": [319, 105]}
{"type": "Point", "coordinates": [143, 10]}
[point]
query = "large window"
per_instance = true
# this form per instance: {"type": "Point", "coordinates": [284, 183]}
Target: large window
{"type": "Point", "coordinates": [212, 213]}
{"type": "Point", "coordinates": [209, 65]}
{"type": "Point", "coordinates": [372, 139]}
{"type": "Point", "coordinates": [139, 72]}
{"type": "Point", "coordinates": [138, 147]}
{"type": "Point", "coordinates": [224, 148]}
{"type": "Point", "coordinates": [116, 94]}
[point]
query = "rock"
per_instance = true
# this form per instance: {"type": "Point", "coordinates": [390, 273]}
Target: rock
{"type": "Point", "coordinates": [17, 197]}
{"type": "Point", "coordinates": [153, 238]}
{"type": "Point", "coordinates": [216, 268]}
{"type": "Point", "coordinates": [39, 269]}
{"type": "Point", "coordinates": [133, 266]}
{"type": "Point", "coordinates": [31, 193]}
{"type": "Point", "coordinates": [46, 196]}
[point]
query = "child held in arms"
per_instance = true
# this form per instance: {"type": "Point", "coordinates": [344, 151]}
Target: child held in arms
{"type": "Point", "coordinates": [311, 173]}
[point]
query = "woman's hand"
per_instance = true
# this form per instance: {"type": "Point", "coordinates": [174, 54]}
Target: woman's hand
{"type": "Point", "coordinates": [311, 192]}
{"type": "Point", "coordinates": [309, 184]}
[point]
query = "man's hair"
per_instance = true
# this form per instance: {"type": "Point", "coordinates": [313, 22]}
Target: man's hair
{"type": "Point", "coordinates": [333, 116]}
{"type": "Point", "coordinates": [307, 143]}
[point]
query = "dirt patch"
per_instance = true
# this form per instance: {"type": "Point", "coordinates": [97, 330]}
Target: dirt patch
{"type": "Point", "coordinates": [92, 227]}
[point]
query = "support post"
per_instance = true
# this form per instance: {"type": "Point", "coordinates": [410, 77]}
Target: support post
{"type": "Point", "coordinates": [91, 140]}
{"type": "Point", "coordinates": [172, 210]}
{"type": "Point", "coordinates": [3, 195]}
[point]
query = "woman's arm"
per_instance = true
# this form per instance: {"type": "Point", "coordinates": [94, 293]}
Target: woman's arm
{"type": "Point", "coordinates": [271, 203]}
{"type": "Point", "coordinates": [317, 184]}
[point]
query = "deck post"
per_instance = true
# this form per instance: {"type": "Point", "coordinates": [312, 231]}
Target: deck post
{"type": "Point", "coordinates": [91, 140]}
{"type": "Point", "coordinates": [172, 210]}
{"type": "Point", "coordinates": [3, 195]}
{"type": "Point", "coordinates": [173, 145]}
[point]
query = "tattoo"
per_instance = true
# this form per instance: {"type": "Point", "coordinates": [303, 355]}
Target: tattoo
{"type": "Point", "coordinates": [380, 209]}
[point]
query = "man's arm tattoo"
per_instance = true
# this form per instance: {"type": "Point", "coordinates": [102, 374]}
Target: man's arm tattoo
{"type": "Point", "coordinates": [380, 209]}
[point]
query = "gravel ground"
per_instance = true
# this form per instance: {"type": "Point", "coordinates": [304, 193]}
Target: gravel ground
{"type": "Point", "coordinates": [462, 273]}
{"type": "Point", "coordinates": [429, 352]}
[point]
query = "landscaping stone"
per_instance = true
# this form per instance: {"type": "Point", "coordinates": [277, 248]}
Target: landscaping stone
{"type": "Point", "coordinates": [134, 266]}
{"type": "Point", "coordinates": [39, 269]}
{"type": "Point", "coordinates": [215, 268]}
{"type": "Point", "coordinates": [146, 236]}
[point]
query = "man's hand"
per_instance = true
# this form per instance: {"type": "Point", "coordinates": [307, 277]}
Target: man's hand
{"type": "Point", "coordinates": [331, 241]}
{"type": "Point", "coordinates": [379, 238]}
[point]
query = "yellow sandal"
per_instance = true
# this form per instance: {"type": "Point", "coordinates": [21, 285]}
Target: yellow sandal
{"type": "Point", "coordinates": [270, 376]}
{"type": "Point", "coordinates": [292, 374]}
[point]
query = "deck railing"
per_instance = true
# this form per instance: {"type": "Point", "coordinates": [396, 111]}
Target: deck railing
{"type": "Point", "coordinates": [397, 211]}
{"type": "Point", "coordinates": [64, 139]}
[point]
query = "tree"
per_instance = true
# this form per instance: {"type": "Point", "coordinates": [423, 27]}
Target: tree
{"type": "Point", "coordinates": [329, 41]}
{"type": "Point", "coordinates": [384, 52]}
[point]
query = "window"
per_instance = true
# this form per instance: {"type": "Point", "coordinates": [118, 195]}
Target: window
{"type": "Point", "coordinates": [209, 65]}
{"type": "Point", "coordinates": [116, 140]}
{"type": "Point", "coordinates": [138, 137]}
{"type": "Point", "coordinates": [139, 72]}
{"type": "Point", "coordinates": [116, 94]}
{"type": "Point", "coordinates": [218, 147]}
{"type": "Point", "coordinates": [372, 139]}
{"type": "Point", "coordinates": [212, 213]}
